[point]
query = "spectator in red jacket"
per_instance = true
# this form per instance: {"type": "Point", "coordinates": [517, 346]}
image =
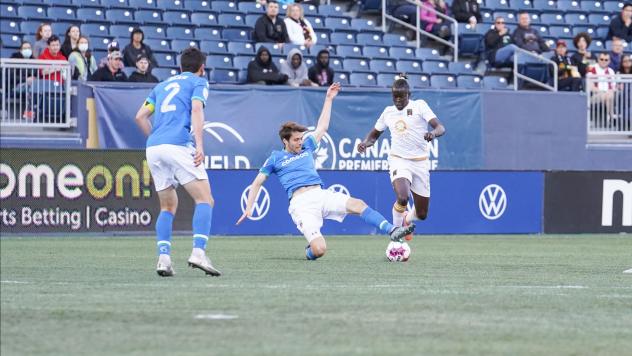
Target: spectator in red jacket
{"type": "Point", "coordinates": [53, 53]}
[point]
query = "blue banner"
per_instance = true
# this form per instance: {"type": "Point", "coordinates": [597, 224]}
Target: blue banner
{"type": "Point", "coordinates": [242, 124]}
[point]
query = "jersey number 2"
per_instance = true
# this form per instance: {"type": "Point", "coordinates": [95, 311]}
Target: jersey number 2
{"type": "Point", "coordinates": [173, 89]}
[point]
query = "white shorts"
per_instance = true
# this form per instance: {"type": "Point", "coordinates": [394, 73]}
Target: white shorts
{"type": "Point", "coordinates": [416, 172]}
{"type": "Point", "coordinates": [309, 208]}
{"type": "Point", "coordinates": [173, 164]}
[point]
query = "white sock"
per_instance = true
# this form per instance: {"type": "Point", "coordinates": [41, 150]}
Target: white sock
{"type": "Point", "coordinates": [411, 216]}
{"type": "Point", "coordinates": [398, 218]}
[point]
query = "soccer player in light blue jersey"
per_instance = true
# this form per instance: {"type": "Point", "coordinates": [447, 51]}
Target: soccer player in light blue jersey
{"type": "Point", "coordinates": [309, 203]}
{"type": "Point", "coordinates": [175, 158]}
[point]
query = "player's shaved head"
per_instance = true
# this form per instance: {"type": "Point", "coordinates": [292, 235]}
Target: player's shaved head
{"type": "Point", "coordinates": [401, 93]}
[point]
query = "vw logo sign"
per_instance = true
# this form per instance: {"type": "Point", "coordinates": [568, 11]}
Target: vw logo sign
{"type": "Point", "coordinates": [325, 152]}
{"type": "Point", "coordinates": [339, 188]}
{"type": "Point", "coordinates": [492, 202]}
{"type": "Point", "coordinates": [260, 207]}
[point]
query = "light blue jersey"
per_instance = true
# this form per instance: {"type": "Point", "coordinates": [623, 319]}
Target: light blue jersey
{"type": "Point", "coordinates": [172, 101]}
{"type": "Point", "coordinates": [294, 170]}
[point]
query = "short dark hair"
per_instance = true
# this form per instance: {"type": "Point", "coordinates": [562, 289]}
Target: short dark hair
{"type": "Point", "coordinates": [52, 39]}
{"type": "Point", "coordinates": [192, 59]}
{"type": "Point", "coordinates": [626, 5]}
{"type": "Point", "coordinates": [401, 83]}
{"type": "Point", "coordinates": [288, 128]}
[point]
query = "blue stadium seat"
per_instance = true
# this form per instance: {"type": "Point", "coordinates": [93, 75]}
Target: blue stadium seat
{"type": "Point", "coordinates": [121, 31]}
{"type": "Point", "coordinates": [142, 4]}
{"type": "Point", "coordinates": [356, 64]}
{"type": "Point", "coordinates": [427, 53]}
{"type": "Point", "coordinates": [382, 65]}
{"type": "Point", "coordinates": [560, 31]}
{"type": "Point", "coordinates": [597, 46]}
{"type": "Point", "coordinates": [469, 82]}
{"type": "Point", "coordinates": [419, 80]}
{"type": "Point", "coordinates": [576, 19]}
{"type": "Point", "coordinates": [363, 79]}
{"type": "Point", "coordinates": [98, 54]}
{"type": "Point", "coordinates": [409, 66]}
{"type": "Point", "coordinates": [537, 71]}
{"type": "Point", "coordinates": [369, 38]}
{"type": "Point", "coordinates": [11, 40]}
{"type": "Point", "coordinates": [613, 6]}
{"type": "Point", "coordinates": [495, 83]}
{"type": "Point", "coordinates": [155, 31]}
{"type": "Point", "coordinates": [335, 63]}
{"type": "Point", "coordinates": [330, 10]}
{"type": "Point", "coordinates": [251, 19]}
{"type": "Point", "coordinates": [601, 32]}
{"type": "Point", "coordinates": [310, 9]}
{"type": "Point", "coordinates": [508, 15]}
{"type": "Point", "coordinates": [180, 45]}
{"type": "Point", "coordinates": [251, 8]}
{"type": "Point", "coordinates": [165, 59]}
{"type": "Point", "coordinates": [208, 33]}
{"type": "Point", "coordinates": [391, 39]}
{"type": "Point", "coordinates": [33, 12]}
{"type": "Point", "coordinates": [313, 50]}
{"type": "Point", "coordinates": [487, 16]}
{"type": "Point", "coordinates": [544, 5]}
{"type": "Point", "coordinates": [86, 3]}
{"type": "Point", "coordinates": [497, 4]}
{"type": "Point", "coordinates": [521, 4]}
{"type": "Point", "coordinates": [163, 73]}
{"type": "Point", "coordinates": [219, 61]}
{"type": "Point", "coordinates": [170, 4]}
{"type": "Point", "coordinates": [443, 81]}
{"type": "Point", "coordinates": [338, 23]}
{"type": "Point", "coordinates": [236, 34]}
{"type": "Point", "coordinates": [11, 26]}
{"type": "Point", "coordinates": [599, 19]}
{"type": "Point", "coordinates": [343, 38]}
{"type": "Point", "coordinates": [363, 25]}
{"type": "Point", "coordinates": [323, 37]}
{"type": "Point", "coordinates": [91, 14]}
{"type": "Point", "coordinates": [224, 6]}
{"type": "Point", "coordinates": [242, 62]}
{"type": "Point", "coordinates": [569, 5]}
{"type": "Point", "coordinates": [402, 52]}
{"type": "Point", "coordinates": [115, 3]}
{"type": "Point", "coordinates": [459, 68]}
{"type": "Point", "coordinates": [592, 6]}
{"type": "Point", "coordinates": [204, 18]}
{"type": "Point", "coordinates": [309, 61]}
{"type": "Point", "coordinates": [176, 17]}
{"type": "Point", "coordinates": [98, 43]}
{"type": "Point", "coordinates": [433, 67]}
{"type": "Point", "coordinates": [161, 45]}
{"type": "Point", "coordinates": [6, 52]}
{"type": "Point", "coordinates": [471, 44]}
{"type": "Point", "coordinates": [231, 20]}
{"type": "Point", "coordinates": [272, 47]}
{"type": "Point", "coordinates": [466, 28]}
{"type": "Point", "coordinates": [341, 77]}
{"type": "Point", "coordinates": [586, 28]}
{"type": "Point", "coordinates": [371, 6]}
{"type": "Point", "coordinates": [180, 33]}
{"type": "Point", "coordinates": [95, 29]}
{"type": "Point", "coordinates": [217, 47]}
{"type": "Point", "coordinates": [225, 75]}
{"type": "Point", "coordinates": [129, 70]}
{"type": "Point", "coordinates": [9, 10]}
{"type": "Point", "coordinates": [376, 52]}
{"type": "Point", "coordinates": [120, 16]}
{"type": "Point", "coordinates": [288, 47]}
{"type": "Point", "coordinates": [386, 79]}
{"type": "Point", "coordinates": [197, 5]}
{"type": "Point", "coordinates": [148, 16]}
{"type": "Point", "coordinates": [552, 19]}
{"type": "Point", "coordinates": [317, 22]}
{"type": "Point", "coordinates": [349, 51]}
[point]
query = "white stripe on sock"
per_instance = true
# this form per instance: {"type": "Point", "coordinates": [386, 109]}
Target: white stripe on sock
{"type": "Point", "coordinates": [164, 243]}
{"type": "Point", "coordinates": [382, 224]}
{"type": "Point", "coordinates": [200, 236]}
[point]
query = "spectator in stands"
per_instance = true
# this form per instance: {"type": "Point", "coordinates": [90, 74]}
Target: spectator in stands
{"type": "Point", "coordinates": [602, 92]}
{"type": "Point", "coordinates": [498, 43]}
{"type": "Point", "coordinates": [616, 53]}
{"type": "Point", "coordinates": [23, 79]}
{"type": "Point", "coordinates": [296, 70]}
{"type": "Point", "coordinates": [626, 65]}
{"type": "Point", "coordinates": [82, 62]}
{"type": "Point", "coordinates": [433, 23]}
{"type": "Point", "coordinates": [44, 31]}
{"type": "Point", "coordinates": [269, 27]}
{"type": "Point", "coordinates": [467, 11]}
{"type": "Point", "coordinates": [527, 37]}
{"type": "Point", "coordinates": [53, 53]}
{"type": "Point", "coordinates": [404, 11]}
{"type": "Point", "coordinates": [71, 39]}
{"type": "Point", "coordinates": [262, 69]}
{"type": "Point", "coordinates": [299, 30]}
{"type": "Point", "coordinates": [582, 58]}
{"type": "Point", "coordinates": [112, 47]}
{"type": "Point", "coordinates": [621, 26]}
{"type": "Point", "coordinates": [112, 72]}
{"type": "Point", "coordinates": [625, 90]}
{"type": "Point", "coordinates": [24, 52]}
{"type": "Point", "coordinates": [142, 74]}
{"type": "Point", "coordinates": [568, 78]}
{"type": "Point", "coordinates": [136, 47]}
{"type": "Point", "coordinates": [320, 73]}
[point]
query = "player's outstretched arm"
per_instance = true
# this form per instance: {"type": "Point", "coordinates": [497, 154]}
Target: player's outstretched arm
{"type": "Point", "coordinates": [437, 130]}
{"type": "Point", "coordinates": [252, 195]}
{"type": "Point", "coordinates": [369, 140]}
{"type": "Point", "coordinates": [142, 117]}
{"type": "Point", "coordinates": [325, 114]}
{"type": "Point", "coordinates": [197, 125]}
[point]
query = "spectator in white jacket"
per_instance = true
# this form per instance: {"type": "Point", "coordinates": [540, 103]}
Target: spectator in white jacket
{"type": "Point", "coordinates": [299, 29]}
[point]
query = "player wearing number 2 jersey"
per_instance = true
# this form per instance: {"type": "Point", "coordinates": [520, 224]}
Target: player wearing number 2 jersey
{"type": "Point", "coordinates": [177, 106]}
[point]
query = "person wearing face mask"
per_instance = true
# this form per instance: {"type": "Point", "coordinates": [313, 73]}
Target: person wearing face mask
{"type": "Point", "coordinates": [142, 74]}
{"type": "Point", "coordinates": [82, 62]}
{"type": "Point", "coordinates": [43, 33]}
{"type": "Point", "coordinates": [71, 39]}
{"type": "Point", "coordinates": [23, 79]}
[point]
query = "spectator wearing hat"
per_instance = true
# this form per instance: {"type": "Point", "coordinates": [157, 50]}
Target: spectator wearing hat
{"type": "Point", "coordinates": [112, 72]}
{"type": "Point", "coordinates": [137, 47]}
{"type": "Point", "coordinates": [582, 58]}
{"type": "Point", "coordinates": [112, 46]}
{"type": "Point", "coordinates": [621, 26]}
{"type": "Point", "coordinates": [142, 74]}
{"type": "Point", "coordinates": [568, 78]}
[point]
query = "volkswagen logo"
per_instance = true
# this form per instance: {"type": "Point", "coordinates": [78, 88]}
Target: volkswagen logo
{"type": "Point", "coordinates": [260, 207]}
{"type": "Point", "coordinates": [325, 152]}
{"type": "Point", "coordinates": [492, 202]}
{"type": "Point", "coordinates": [339, 188]}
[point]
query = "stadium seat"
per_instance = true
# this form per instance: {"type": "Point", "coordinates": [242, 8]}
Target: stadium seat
{"type": "Point", "coordinates": [176, 17]}
{"type": "Point", "coordinates": [251, 19]}
{"type": "Point", "coordinates": [497, 4]}
{"type": "Point", "coordinates": [560, 31]}
{"type": "Point", "coordinates": [225, 75]}
{"type": "Point", "coordinates": [98, 43]}
{"type": "Point", "coordinates": [601, 32]}
{"type": "Point", "coordinates": [471, 44]}
{"type": "Point", "coordinates": [356, 64]}
{"type": "Point", "coordinates": [148, 16]}
{"type": "Point", "coordinates": [219, 61]}
{"type": "Point", "coordinates": [341, 77]}
{"type": "Point", "coordinates": [402, 52]}
{"type": "Point", "coordinates": [251, 8]}
{"type": "Point", "coordinates": [180, 33]}
{"type": "Point", "coordinates": [433, 67]}
{"type": "Point", "coordinates": [613, 6]}
{"type": "Point", "coordinates": [119, 16]}
{"type": "Point", "coordinates": [495, 83]}
{"type": "Point", "coordinates": [95, 29]}
{"type": "Point", "coordinates": [376, 52]}
{"type": "Point", "coordinates": [338, 23]}
{"type": "Point", "coordinates": [224, 6]}
{"type": "Point", "coordinates": [349, 51]}
{"type": "Point", "coordinates": [231, 20]}
{"type": "Point", "coordinates": [552, 19]}
{"type": "Point", "coordinates": [11, 26]}
{"type": "Point", "coordinates": [9, 10]}
{"type": "Point", "coordinates": [373, 39]}
{"type": "Point", "coordinates": [386, 79]}
{"type": "Point", "coordinates": [236, 34]}
{"type": "Point", "coordinates": [544, 5]}
{"type": "Point", "coordinates": [313, 50]}
{"type": "Point", "coordinates": [32, 12]}
{"type": "Point", "coordinates": [317, 22]}
{"type": "Point", "coordinates": [363, 25]}
{"type": "Point", "coordinates": [363, 79]}
{"type": "Point", "coordinates": [467, 28]}
{"type": "Point", "coordinates": [576, 19]}
{"type": "Point", "coordinates": [180, 45]}
{"type": "Point", "coordinates": [408, 66]}
{"type": "Point", "coordinates": [323, 37]}
{"type": "Point", "coordinates": [419, 80]}
{"type": "Point", "coordinates": [469, 82]}
{"type": "Point", "coordinates": [372, 6]}
{"type": "Point", "coordinates": [288, 47]}
{"type": "Point", "coordinates": [382, 65]}
{"type": "Point", "coordinates": [391, 39]}
{"type": "Point", "coordinates": [158, 44]}
{"type": "Point", "coordinates": [508, 15]}
{"type": "Point", "coordinates": [121, 31]}
{"type": "Point", "coordinates": [6, 52]}
{"type": "Point", "coordinates": [427, 53]}
{"type": "Point", "coordinates": [586, 28]}
{"type": "Point", "coordinates": [241, 48]}
{"type": "Point", "coordinates": [597, 46]}
{"type": "Point", "coordinates": [242, 62]}
{"type": "Point", "coordinates": [335, 63]}
{"type": "Point", "coordinates": [459, 68]}
{"type": "Point", "coordinates": [86, 3]}
{"type": "Point", "coordinates": [91, 14]}
{"type": "Point", "coordinates": [330, 10]}
{"type": "Point", "coordinates": [273, 48]}
{"type": "Point", "coordinates": [487, 16]}
{"type": "Point", "coordinates": [196, 5]}
{"type": "Point", "coordinates": [163, 73]}
{"type": "Point", "coordinates": [443, 81]}
{"type": "Point", "coordinates": [216, 47]}
{"type": "Point", "coordinates": [343, 38]}
{"type": "Point", "coordinates": [310, 10]}
{"type": "Point", "coordinates": [592, 6]}
{"type": "Point", "coordinates": [115, 3]}
{"type": "Point", "coordinates": [204, 18]}
{"type": "Point", "coordinates": [569, 5]}
{"type": "Point", "coordinates": [208, 33]}
{"type": "Point", "coordinates": [537, 71]}
{"type": "Point", "coordinates": [599, 19]}
{"type": "Point", "coordinates": [521, 4]}
{"type": "Point", "coordinates": [169, 4]}
{"type": "Point", "coordinates": [142, 4]}
{"type": "Point", "coordinates": [129, 70]}
{"type": "Point", "coordinates": [11, 40]}
{"type": "Point", "coordinates": [165, 59]}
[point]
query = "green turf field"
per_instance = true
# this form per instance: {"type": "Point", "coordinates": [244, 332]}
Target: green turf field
{"type": "Point", "coordinates": [483, 295]}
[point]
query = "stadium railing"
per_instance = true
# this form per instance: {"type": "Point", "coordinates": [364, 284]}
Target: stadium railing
{"type": "Point", "coordinates": [30, 100]}
{"type": "Point", "coordinates": [454, 44]}
{"type": "Point", "coordinates": [532, 58]}
{"type": "Point", "coordinates": [609, 112]}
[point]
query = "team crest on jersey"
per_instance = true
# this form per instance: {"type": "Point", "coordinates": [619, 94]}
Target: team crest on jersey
{"type": "Point", "coordinates": [409, 112]}
{"type": "Point", "coordinates": [400, 126]}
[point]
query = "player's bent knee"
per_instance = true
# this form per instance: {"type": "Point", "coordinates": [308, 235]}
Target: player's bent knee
{"type": "Point", "coordinates": [422, 215]}
{"type": "Point", "coordinates": [402, 201]}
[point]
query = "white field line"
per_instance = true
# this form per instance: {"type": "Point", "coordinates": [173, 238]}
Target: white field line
{"type": "Point", "coordinates": [14, 282]}
{"type": "Point", "coordinates": [547, 287]}
{"type": "Point", "coordinates": [215, 317]}
{"type": "Point", "coordinates": [628, 271]}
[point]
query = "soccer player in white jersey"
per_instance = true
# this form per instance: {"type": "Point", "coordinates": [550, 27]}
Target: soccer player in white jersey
{"type": "Point", "coordinates": [408, 159]}
{"type": "Point", "coordinates": [174, 158]}
{"type": "Point", "coordinates": [309, 203]}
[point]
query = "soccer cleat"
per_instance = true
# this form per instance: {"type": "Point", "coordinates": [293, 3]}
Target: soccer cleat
{"type": "Point", "coordinates": [199, 260]}
{"type": "Point", "coordinates": [164, 267]}
{"type": "Point", "coordinates": [398, 233]}
{"type": "Point", "coordinates": [404, 223]}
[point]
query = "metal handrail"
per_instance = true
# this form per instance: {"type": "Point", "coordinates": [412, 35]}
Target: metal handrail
{"type": "Point", "coordinates": [626, 97]}
{"type": "Point", "coordinates": [418, 30]}
{"type": "Point", "coordinates": [517, 75]}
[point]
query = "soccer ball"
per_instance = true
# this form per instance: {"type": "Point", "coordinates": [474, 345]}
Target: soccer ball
{"type": "Point", "coordinates": [397, 251]}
